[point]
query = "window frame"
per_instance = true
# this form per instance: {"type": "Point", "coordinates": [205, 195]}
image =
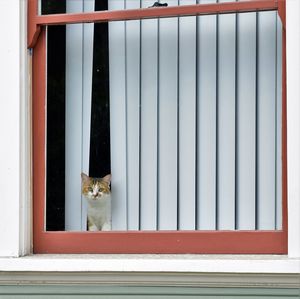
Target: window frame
{"type": "Point", "coordinates": [212, 242]}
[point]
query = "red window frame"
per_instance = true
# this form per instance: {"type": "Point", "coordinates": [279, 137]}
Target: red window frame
{"type": "Point", "coordinates": [213, 242]}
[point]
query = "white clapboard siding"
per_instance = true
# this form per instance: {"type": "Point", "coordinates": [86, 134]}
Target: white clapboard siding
{"type": "Point", "coordinates": [79, 61]}
{"type": "Point", "coordinates": [187, 121]}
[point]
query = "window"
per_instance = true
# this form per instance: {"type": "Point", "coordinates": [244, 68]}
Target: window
{"type": "Point", "coordinates": [162, 129]}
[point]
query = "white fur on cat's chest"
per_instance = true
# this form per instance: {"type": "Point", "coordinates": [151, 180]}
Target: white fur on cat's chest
{"type": "Point", "coordinates": [99, 213]}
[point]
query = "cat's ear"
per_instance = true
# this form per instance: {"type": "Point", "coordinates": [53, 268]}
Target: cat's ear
{"type": "Point", "coordinates": [84, 178]}
{"type": "Point", "coordinates": [107, 179]}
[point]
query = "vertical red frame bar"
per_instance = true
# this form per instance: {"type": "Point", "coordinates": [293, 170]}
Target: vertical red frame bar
{"type": "Point", "coordinates": [282, 14]}
{"type": "Point", "coordinates": [214, 242]}
{"type": "Point", "coordinates": [284, 135]}
{"type": "Point", "coordinates": [39, 135]}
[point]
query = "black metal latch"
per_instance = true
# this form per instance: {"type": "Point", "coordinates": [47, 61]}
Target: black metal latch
{"type": "Point", "coordinates": [157, 4]}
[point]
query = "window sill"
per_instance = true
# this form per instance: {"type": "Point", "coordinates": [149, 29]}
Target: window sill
{"type": "Point", "coordinates": [184, 270]}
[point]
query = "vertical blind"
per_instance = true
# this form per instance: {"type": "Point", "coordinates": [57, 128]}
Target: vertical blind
{"type": "Point", "coordinates": [79, 63]}
{"type": "Point", "coordinates": [195, 120]}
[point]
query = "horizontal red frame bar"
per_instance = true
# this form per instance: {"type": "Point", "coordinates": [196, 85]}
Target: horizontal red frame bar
{"type": "Point", "coordinates": [128, 242]}
{"type": "Point", "coordinates": [35, 21]}
{"type": "Point", "coordinates": [146, 13]}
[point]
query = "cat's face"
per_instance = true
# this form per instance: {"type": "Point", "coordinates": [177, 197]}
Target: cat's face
{"type": "Point", "coordinates": [95, 188]}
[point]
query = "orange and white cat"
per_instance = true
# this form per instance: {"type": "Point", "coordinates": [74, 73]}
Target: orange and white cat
{"type": "Point", "coordinates": [97, 193]}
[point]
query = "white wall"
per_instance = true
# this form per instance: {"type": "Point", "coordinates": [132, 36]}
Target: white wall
{"type": "Point", "coordinates": [15, 141]}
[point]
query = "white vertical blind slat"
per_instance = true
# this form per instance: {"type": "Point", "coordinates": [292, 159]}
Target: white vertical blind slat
{"type": "Point", "coordinates": [79, 49]}
{"type": "Point", "coordinates": [149, 106]}
{"type": "Point", "coordinates": [246, 120]}
{"type": "Point", "coordinates": [39, 7]}
{"type": "Point", "coordinates": [187, 121]}
{"type": "Point", "coordinates": [168, 122]}
{"type": "Point", "coordinates": [206, 121]}
{"type": "Point", "coordinates": [73, 129]}
{"type": "Point", "coordinates": [279, 126]}
{"type": "Point", "coordinates": [266, 101]}
{"type": "Point", "coordinates": [88, 48]}
{"type": "Point", "coordinates": [118, 120]}
{"type": "Point", "coordinates": [133, 116]}
{"type": "Point", "coordinates": [226, 99]}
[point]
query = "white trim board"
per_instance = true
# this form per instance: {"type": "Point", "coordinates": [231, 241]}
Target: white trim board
{"type": "Point", "coordinates": [15, 130]}
{"type": "Point", "coordinates": [153, 263]}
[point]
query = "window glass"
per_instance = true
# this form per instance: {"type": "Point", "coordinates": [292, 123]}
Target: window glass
{"type": "Point", "coordinates": [184, 113]}
{"type": "Point", "coordinates": [51, 6]}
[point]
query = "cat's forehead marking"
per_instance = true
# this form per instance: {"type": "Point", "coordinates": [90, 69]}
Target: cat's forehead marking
{"type": "Point", "coordinates": [100, 182]}
{"type": "Point", "coordinates": [95, 186]}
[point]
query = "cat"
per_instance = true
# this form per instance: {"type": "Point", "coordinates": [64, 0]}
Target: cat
{"type": "Point", "coordinates": [97, 193]}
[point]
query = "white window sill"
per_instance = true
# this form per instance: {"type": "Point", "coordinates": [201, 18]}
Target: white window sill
{"type": "Point", "coordinates": [153, 263]}
{"type": "Point", "coordinates": [183, 270]}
